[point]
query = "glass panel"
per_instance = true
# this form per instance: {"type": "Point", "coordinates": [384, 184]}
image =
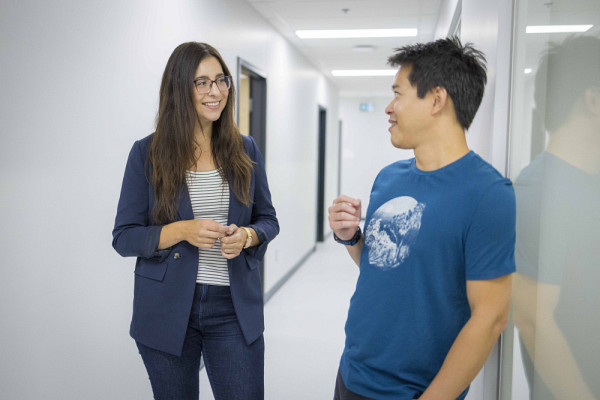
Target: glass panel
{"type": "Point", "coordinates": [555, 164]}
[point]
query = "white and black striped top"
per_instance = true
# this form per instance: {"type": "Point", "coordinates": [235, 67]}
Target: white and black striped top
{"type": "Point", "coordinates": [209, 196]}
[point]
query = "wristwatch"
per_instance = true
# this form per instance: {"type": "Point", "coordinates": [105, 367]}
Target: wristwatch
{"type": "Point", "coordinates": [352, 240]}
{"type": "Point", "coordinates": [249, 239]}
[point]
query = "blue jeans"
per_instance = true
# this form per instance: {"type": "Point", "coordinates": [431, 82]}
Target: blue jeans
{"type": "Point", "coordinates": [235, 370]}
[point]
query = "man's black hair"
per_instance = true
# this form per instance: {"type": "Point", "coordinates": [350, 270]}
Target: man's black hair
{"type": "Point", "coordinates": [461, 70]}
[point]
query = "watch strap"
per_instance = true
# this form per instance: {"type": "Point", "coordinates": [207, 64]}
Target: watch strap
{"type": "Point", "coordinates": [352, 240]}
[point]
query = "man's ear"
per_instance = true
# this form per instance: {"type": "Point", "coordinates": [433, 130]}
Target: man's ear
{"type": "Point", "coordinates": [440, 99]}
{"type": "Point", "coordinates": [592, 101]}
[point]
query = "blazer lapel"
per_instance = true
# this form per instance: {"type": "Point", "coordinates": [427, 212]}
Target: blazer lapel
{"type": "Point", "coordinates": [235, 208]}
{"type": "Point", "coordinates": [184, 210]}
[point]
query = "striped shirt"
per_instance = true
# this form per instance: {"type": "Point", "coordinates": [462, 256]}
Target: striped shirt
{"type": "Point", "coordinates": [209, 196]}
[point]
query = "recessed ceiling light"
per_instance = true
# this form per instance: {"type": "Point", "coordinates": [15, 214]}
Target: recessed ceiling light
{"type": "Point", "coordinates": [527, 70]}
{"type": "Point", "coordinates": [363, 48]}
{"type": "Point", "coordinates": [557, 28]}
{"type": "Point", "coordinates": [363, 72]}
{"type": "Point", "coordinates": [355, 33]}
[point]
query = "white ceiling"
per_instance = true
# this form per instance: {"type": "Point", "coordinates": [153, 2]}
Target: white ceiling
{"type": "Point", "coordinates": [287, 16]}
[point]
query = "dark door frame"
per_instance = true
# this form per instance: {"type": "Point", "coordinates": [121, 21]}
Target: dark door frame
{"type": "Point", "coordinates": [321, 135]}
{"type": "Point", "coordinates": [258, 115]}
{"type": "Point", "coordinates": [258, 103]}
{"type": "Point", "coordinates": [339, 160]}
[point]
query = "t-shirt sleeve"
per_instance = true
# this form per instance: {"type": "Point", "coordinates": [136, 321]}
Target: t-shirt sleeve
{"type": "Point", "coordinates": [490, 238]}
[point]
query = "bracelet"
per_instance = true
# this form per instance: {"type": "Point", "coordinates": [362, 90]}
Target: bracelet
{"type": "Point", "coordinates": [352, 241]}
{"type": "Point", "coordinates": [249, 239]}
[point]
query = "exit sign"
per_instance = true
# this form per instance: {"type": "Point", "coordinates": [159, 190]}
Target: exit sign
{"type": "Point", "coordinates": [366, 107]}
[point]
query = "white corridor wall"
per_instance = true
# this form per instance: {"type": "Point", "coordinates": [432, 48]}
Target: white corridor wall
{"type": "Point", "coordinates": [80, 83]}
{"type": "Point", "coordinates": [366, 145]}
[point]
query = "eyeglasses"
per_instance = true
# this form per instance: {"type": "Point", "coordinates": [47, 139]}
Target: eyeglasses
{"type": "Point", "coordinates": [204, 85]}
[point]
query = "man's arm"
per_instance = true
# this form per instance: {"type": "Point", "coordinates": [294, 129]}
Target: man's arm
{"type": "Point", "coordinates": [344, 219]}
{"type": "Point", "coordinates": [533, 311]}
{"type": "Point", "coordinates": [355, 250]}
{"type": "Point", "coordinates": [489, 301]}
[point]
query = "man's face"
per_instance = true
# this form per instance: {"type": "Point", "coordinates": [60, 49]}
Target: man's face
{"type": "Point", "coordinates": [409, 115]}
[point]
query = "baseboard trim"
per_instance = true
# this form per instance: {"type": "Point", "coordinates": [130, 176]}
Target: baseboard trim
{"type": "Point", "coordinates": [269, 294]}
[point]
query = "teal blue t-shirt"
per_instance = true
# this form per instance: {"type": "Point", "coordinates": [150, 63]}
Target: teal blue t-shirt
{"type": "Point", "coordinates": [426, 233]}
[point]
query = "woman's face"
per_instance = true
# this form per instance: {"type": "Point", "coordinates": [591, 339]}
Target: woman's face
{"type": "Point", "coordinates": [209, 106]}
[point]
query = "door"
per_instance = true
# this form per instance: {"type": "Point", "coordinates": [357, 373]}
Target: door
{"type": "Point", "coordinates": [252, 110]}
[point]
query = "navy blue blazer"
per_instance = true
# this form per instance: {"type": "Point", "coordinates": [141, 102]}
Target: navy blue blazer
{"type": "Point", "coordinates": [165, 279]}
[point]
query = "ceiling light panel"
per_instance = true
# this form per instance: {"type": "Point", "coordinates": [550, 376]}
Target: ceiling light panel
{"type": "Point", "coordinates": [557, 28]}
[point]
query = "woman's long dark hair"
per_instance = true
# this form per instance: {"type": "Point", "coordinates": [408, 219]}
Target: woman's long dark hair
{"type": "Point", "coordinates": [172, 148]}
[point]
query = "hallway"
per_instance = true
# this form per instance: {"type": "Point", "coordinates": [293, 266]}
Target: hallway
{"type": "Point", "coordinates": [304, 335]}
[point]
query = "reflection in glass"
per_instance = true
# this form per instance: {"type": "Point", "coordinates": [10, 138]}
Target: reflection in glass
{"type": "Point", "coordinates": [556, 294]}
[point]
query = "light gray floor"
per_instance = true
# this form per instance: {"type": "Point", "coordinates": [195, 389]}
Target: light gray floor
{"type": "Point", "coordinates": [304, 335]}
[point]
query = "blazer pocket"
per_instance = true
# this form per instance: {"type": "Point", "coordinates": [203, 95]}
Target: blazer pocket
{"type": "Point", "coordinates": [151, 269]}
{"type": "Point", "coordinates": [251, 262]}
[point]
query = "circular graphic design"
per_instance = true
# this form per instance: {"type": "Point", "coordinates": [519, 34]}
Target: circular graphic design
{"type": "Point", "coordinates": [392, 230]}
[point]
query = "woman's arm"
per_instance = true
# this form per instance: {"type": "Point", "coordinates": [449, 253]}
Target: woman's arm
{"type": "Point", "coordinates": [263, 220]}
{"type": "Point", "coordinates": [202, 233]}
{"type": "Point", "coordinates": [132, 234]}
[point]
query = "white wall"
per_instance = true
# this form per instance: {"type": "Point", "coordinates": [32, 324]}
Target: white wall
{"type": "Point", "coordinates": [488, 25]}
{"type": "Point", "coordinates": [79, 84]}
{"type": "Point", "coordinates": [366, 145]}
{"type": "Point", "coordinates": [294, 91]}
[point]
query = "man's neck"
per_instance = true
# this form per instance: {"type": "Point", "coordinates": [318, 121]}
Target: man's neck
{"type": "Point", "coordinates": [444, 149]}
{"type": "Point", "coordinates": [578, 145]}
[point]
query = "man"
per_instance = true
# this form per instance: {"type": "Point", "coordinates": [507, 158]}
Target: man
{"type": "Point", "coordinates": [556, 297]}
{"type": "Point", "coordinates": [437, 254]}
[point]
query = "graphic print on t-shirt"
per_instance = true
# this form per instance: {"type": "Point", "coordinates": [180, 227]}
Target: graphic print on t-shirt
{"type": "Point", "coordinates": [392, 230]}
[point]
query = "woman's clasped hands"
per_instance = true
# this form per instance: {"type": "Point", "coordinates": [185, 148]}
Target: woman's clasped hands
{"type": "Point", "coordinates": [204, 233]}
{"type": "Point", "coordinates": [233, 243]}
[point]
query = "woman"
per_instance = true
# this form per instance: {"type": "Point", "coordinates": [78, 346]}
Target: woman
{"type": "Point", "coordinates": [195, 209]}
